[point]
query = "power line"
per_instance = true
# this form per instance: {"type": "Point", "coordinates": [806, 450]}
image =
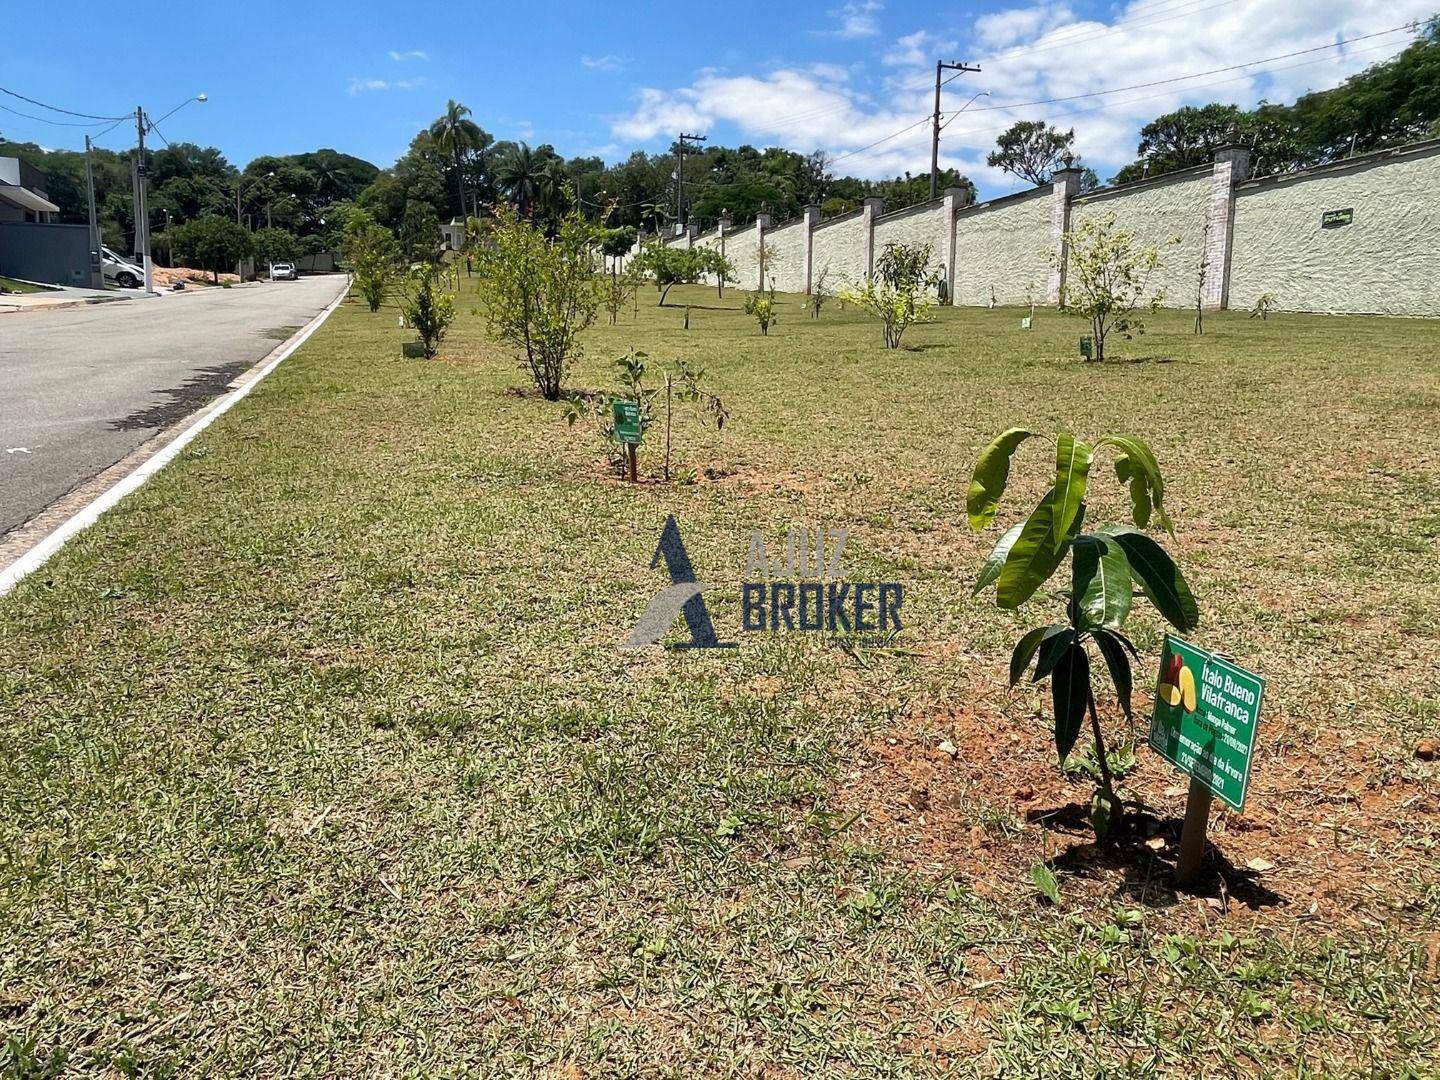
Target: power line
{"type": "Point", "coordinates": [1091, 34]}
{"type": "Point", "coordinates": [1197, 74]}
{"type": "Point", "coordinates": [1139, 86]}
{"type": "Point", "coordinates": [1150, 97]}
{"type": "Point", "coordinates": [56, 108]}
{"type": "Point", "coordinates": [57, 123]}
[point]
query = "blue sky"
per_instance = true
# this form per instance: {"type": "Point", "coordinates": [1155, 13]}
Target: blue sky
{"type": "Point", "coordinates": [363, 77]}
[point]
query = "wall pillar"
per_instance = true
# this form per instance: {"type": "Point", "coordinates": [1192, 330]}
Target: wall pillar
{"type": "Point", "coordinates": [763, 221]}
{"type": "Point", "coordinates": [1232, 166]}
{"type": "Point", "coordinates": [812, 218]}
{"type": "Point", "coordinates": [1064, 186]}
{"type": "Point", "coordinates": [871, 208]}
{"type": "Point", "coordinates": [692, 230]}
{"type": "Point", "coordinates": [956, 199]}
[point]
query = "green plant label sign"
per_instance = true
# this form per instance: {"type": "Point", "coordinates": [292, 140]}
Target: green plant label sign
{"type": "Point", "coordinates": [1025, 323]}
{"type": "Point", "coordinates": [1335, 219]}
{"type": "Point", "coordinates": [1206, 711]}
{"type": "Point", "coordinates": [626, 415]}
{"type": "Point", "coordinates": [1087, 348]}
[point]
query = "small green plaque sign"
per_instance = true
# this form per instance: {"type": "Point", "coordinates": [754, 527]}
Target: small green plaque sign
{"type": "Point", "coordinates": [1335, 219]}
{"type": "Point", "coordinates": [1206, 712]}
{"type": "Point", "coordinates": [626, 416]}
{"type": "Point", "coordinates": [1087, 348]}
{"type": "Point", "coordinates": [1025, 323]}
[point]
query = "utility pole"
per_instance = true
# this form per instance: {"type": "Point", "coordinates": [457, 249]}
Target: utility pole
{"type": "Point", "coordinates": [680, 175]}
{"type": "Point", "coordinates": [941, 66]}
{"type": "Point", "coordinates": [142, 220]}
{"type": "Point", "coordinates": [97, 266]}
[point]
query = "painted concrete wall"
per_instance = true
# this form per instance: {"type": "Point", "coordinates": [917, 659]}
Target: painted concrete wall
{"type": "Point", "coordinates": [1003, 245]}
{"type": "Point", "coordinates": [1386, 262]}
{"type": "Point", "coordinates": [785, 256]}
{"type": "Point", "coordinates": [840, 251]}
{"type": "Point", "coordinates": [740, 247]}
{"type": "Point", "coordinates": [915, 226]}
{"type": "Point", "coordinates": [1156, 213]}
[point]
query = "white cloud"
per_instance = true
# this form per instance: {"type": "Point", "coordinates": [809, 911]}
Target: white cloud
{"type": "Point", "coordinates": [1033, 52]}
{"type": "Point", "coordinates": [408, 54]}
{"type": "Point", "coordinates": [608, 62]}
{"type": "Point", "coordinates": [360, 86]}
{"type": "Point", "coordinates": [858, 18]}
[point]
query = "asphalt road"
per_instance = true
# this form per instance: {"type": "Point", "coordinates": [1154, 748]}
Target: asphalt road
{"type": "Point", "coordinates": [80, 388]}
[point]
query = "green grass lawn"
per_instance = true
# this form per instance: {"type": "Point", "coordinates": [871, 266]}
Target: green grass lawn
{"type": "Point", "coordinates": [322, 759]}
{"type": "Point", "coordinates": [12, 285]}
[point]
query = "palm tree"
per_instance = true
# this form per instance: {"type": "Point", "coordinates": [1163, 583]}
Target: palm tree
{"type": "Point", "coordinates": [521, 175]}
{"type": "Point", "coordinates": [455, 135]}
{"type": "Point", "coordinates": [551, 194]}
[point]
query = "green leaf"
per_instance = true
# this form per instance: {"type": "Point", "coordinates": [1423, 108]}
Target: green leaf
{"type": "Point", "coordinates": [992, 470]}
{"type": "Point", "coordinates": [1070, 694]}
{"type": "Point", "coordinates": [1045, 881]}
{"type": "Point", "coordinates": [1025, 651]}
{"type": "Point", "coordinates": [1113, 649]}
{"type": "Point", "coordinates": [1033, 558]}
{"type": "Point", "coordinates": [996, 559]}
{"type": "Point", "coordinates": [1159, 576]}
{"type": "Point", "coordinates": [1138, 466]}
{"type": "Point", "coordinates": [1101, 814]}
{"type": "Point", "coordinates": [1072, 471]}
{"type": "Point", "coordinates": [1102, 584]}
{"type": "Point", "coordinates": [1052, 648]}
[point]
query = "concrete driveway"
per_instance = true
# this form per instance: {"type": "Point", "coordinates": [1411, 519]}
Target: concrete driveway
{"type": "Point", "coordinates": [82, 387]}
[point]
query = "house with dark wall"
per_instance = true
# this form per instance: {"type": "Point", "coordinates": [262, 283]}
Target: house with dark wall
{"type": "Point", "coordinates": [33, 246]}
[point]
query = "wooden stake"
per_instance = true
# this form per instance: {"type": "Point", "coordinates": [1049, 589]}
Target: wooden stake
{"type": "Point", "coordinates": [1192, 833]}
{"type": "Point", "coordinates": [630, 456]}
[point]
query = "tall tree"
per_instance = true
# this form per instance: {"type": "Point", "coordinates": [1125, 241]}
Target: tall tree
{"type": "Point", "coordinates": [457, 136]}
{"type": "Point", "coordinates": [520, 175]}
{"type": "Point", "coordinates": [1031, 150]}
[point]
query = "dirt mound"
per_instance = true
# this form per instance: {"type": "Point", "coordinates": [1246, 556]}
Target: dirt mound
{"type": "Point", "coordinates": [165, 276]}
{"type": "Point", "coordinates": [1327, 832]}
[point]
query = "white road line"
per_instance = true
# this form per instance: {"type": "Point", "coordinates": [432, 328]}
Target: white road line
{"type": "Point", "coordinates": [36, 557]}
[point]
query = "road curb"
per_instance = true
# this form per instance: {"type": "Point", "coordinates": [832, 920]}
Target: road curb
{"type": "Point", "coordinates": [37, 555]}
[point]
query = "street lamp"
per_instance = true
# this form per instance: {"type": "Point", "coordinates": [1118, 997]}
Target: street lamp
{"type": "Point", "coordinates": [239, 185]}
{"type": "Point", "coordinates": [144, 125]}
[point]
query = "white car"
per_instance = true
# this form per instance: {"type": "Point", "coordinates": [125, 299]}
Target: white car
{"type": "Point", "coordinates": [283, 272]}
{"type": "Point", "coordinates": [120, 270]}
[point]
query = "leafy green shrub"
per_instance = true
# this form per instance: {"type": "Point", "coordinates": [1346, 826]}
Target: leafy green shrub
{"type": "Point", "coordinates": [369, 250]}
{"type": "Point", "coordinates": [615, 292]}
{"type": "Point", "coordinates": [1264, 304]}
{"type": "Point", "coordinates": [1108, 280]}
{"type": "Point", "coordinates": [899, 292]}
{"type": "Point", "coordinates": [680, 384]}
{"type": "Point", "coordinates": [762, 306]}
{"type": "Point", "coordinates": [428, 307]}
{"type": "Point", "coordinates": [540, 294]}
{"type": "Point", "coordinates": [671, 266]}
{"type": "Point", "coordinates": [1105, 568]}
{"type": "Point", "coordinates": [819, 292]}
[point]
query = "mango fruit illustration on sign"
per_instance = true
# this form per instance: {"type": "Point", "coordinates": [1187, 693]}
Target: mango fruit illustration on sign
{"type": "Point", "coordinates": [1177, 683]}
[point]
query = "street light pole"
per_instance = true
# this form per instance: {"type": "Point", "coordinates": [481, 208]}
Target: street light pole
{"type": "Point", "coordinates": [142, 206]}
{"type": "Point", "coordinates": [941, 66]}
{"type": "Point", "coordinates": [97, 262]}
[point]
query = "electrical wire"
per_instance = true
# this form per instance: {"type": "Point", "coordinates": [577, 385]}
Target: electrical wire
{"type": "Point", "coordinates": [58, 123]}
{"type": "Point", "coordinates": [1198, 74]}
{"type": "Point", "coordinates": [1140, 86]}
{"type": "Point", "coordinates": [56, 108]}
